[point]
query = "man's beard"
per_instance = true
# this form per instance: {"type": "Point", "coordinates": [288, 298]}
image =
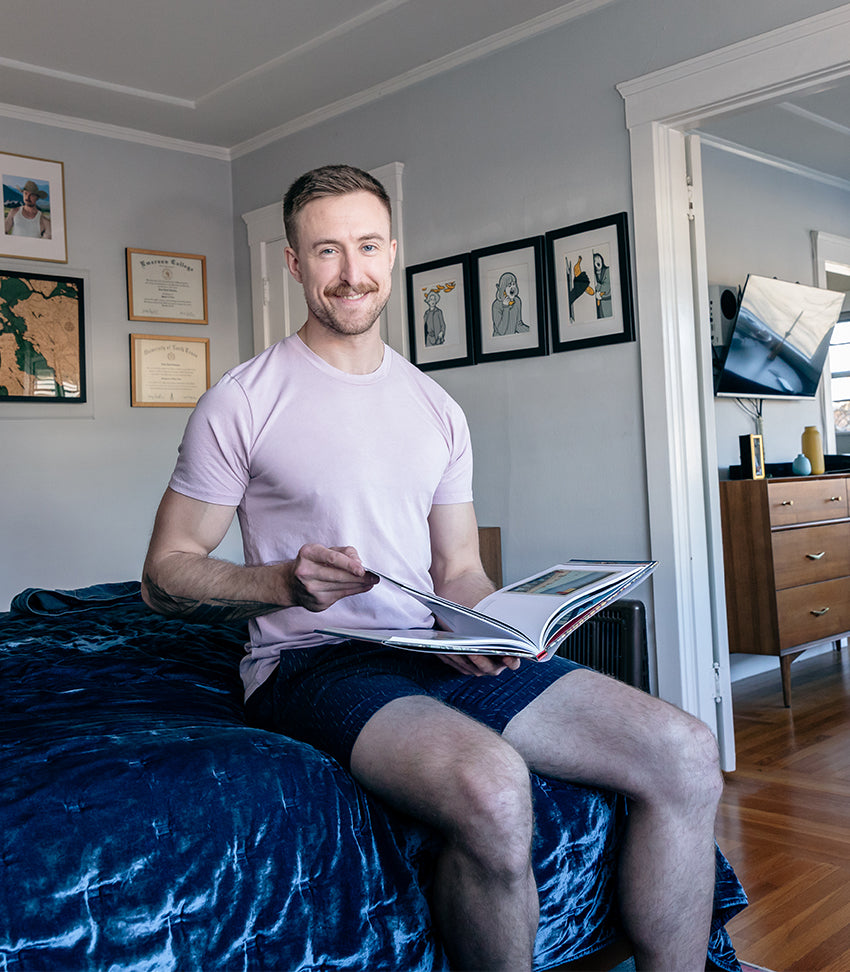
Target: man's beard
{"type": "Point", "coordinates": [325, 315]}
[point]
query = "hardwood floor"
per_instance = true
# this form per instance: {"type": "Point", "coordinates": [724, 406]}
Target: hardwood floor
{"type": "Point", "coordinates": [784, 820]}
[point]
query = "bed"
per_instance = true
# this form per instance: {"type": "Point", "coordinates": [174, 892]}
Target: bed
{"type": "Point", "coordinates": [145, 826]}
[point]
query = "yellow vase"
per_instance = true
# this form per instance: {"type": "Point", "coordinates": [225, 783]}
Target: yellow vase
{"type": "Point", "coordinates": [813, 449]}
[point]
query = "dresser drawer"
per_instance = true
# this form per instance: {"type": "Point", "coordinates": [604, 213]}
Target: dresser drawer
{"type": "Point", "coordinates": [811, 554]}
{"type": "Point", "coordinates": [805, 501]}
{"type": "Point", "coordinates": [813, 612]}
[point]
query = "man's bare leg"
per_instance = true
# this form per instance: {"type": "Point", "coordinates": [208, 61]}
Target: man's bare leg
{"type": "Point", "coordinates": [591, 729]}
{"type": "Point", "coordinates": [455, 774]}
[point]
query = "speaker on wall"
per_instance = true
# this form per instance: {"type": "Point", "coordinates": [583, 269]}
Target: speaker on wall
{"type": "Point", "coordinates": [722, 308]}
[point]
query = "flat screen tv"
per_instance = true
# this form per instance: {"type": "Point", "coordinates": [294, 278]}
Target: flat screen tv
{"type": "Point", "coordinates": [779, 340]}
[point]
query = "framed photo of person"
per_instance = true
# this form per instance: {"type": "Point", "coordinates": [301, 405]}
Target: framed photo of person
{"type": "Point", "coordinates": [438, 313]}
{"type": "Point", "coordinates": [509, 300]}
{"type": "Point", "coordinates": [590, 290]}
{"type": "Point", "coordinates": [33, 209]}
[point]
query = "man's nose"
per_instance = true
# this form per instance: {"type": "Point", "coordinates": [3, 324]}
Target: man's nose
{"type": "Point", "coordinates": [352, 269]}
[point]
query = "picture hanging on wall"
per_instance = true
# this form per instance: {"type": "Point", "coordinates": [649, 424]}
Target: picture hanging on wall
{"type": "Point", "coordinates": [168, 372]}
{"type": "Point", "coordinates": [590, 291]}
{"type": "Point", "coordinates": [509, 300]}
{"type": "Point", "coordinates": [166, 287]}
{"type": "Point", "coordinates": [33, 209]}
{"type": "Point", "coordinates": [42, 338]}
{"type": "Point", "coordinates": [438, 313]}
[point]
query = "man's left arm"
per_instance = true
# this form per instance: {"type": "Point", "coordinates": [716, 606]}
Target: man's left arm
{"type": "Point", "coordinates": [459, 576]}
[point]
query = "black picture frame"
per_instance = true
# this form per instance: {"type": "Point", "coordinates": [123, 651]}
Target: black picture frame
{"type": "Point", "coordinates": [509, 300]}
{"type": "Point", "coordinates": [44, 315]}
{"type": "Point", "coordinates": [438, 313]}
{"type": "Point", "coordinates": [592, 305]}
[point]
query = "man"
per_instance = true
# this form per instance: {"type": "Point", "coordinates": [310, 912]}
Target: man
{"type": "Point", "coordinates": [338, 456]}
{"type": "Point", "coordinates": [28, 219]}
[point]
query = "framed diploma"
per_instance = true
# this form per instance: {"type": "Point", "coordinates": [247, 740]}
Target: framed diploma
{"type": "Point", "coordinates": [168, 372]}
{"type": "Point", "coordinates": [168, 287]}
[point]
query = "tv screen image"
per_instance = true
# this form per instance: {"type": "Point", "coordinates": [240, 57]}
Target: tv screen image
{"type": "Point", "coordinates": [779, 341]}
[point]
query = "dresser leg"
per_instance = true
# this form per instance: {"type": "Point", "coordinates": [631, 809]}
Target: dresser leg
{"type": "Point", "coordinates": [785, 667]}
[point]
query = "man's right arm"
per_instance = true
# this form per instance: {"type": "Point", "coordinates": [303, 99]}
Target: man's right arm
{"type": "Point", "coordinates": [181, 579]}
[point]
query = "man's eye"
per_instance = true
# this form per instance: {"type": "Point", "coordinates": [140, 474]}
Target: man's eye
{"type": "Point", "coordinates": [369, 248]}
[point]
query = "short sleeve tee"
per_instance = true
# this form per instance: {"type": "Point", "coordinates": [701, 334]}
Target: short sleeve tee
{"type": "Point", "coordinates": [310, 454]}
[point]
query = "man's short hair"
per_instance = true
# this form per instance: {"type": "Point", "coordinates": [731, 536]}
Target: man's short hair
{"type": "Point", "coordinates": [327, 180]}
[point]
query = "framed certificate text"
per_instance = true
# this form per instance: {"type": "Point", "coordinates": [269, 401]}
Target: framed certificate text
{"type": "Point", "coordinates": [168, 287]}
{"type": "Point", "coordinates": [169, 372]}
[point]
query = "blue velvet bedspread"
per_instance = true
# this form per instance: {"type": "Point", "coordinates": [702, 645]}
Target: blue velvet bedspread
{"type": "Point", "coordinates": [144, 826]}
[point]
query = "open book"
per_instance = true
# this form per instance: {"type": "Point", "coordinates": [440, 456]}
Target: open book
{"type": "Point", "coordinates": [529, 619]}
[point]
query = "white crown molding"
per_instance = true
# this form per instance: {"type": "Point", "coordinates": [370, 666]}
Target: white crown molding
{"type": "Point", "coordinates": [115, 131]}
{"type": "Point", "coordinates": [46, 72]}
{"type": "Point", "coordinates": [812, 116]}
{"type": "Point", "coordinates": [813, 51]}
{"type": "Point", "coordinates": [340, 30]}
{"type": "Point", "coordinates": [733, 148]}
{"type": "Point", "coordinates": [472, 52]}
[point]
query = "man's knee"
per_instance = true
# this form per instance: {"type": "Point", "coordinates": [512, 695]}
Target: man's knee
{"type": "Point", "coordinates": [493, 818]}
{"type": "Point", "coordinates": [688, 760]}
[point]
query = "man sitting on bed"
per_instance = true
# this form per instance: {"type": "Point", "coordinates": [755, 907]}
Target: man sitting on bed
{"type": "Point", "coordinates": [338, 455]}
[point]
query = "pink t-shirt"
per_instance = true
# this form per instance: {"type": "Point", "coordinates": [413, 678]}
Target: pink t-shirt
{"type": "Point", "coordinates": [311, 454]}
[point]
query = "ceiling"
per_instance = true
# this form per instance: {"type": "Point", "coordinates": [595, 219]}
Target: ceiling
{"type": "Point", "coordinates": [228, 77]}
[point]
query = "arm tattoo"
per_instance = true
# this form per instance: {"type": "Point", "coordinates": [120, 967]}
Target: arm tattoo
{"type": "Point", "coordinates": [211, 611]}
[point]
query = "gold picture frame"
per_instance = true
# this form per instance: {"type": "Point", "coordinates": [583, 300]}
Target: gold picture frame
{"type": "Point", "coordinates": [164, 287]}
{"type": "Point", "coordinates": [42, 182]}
{"type": "Point", "coordinates": [168, 372]}
{"type": "Point", "coordinates": [752, 456]}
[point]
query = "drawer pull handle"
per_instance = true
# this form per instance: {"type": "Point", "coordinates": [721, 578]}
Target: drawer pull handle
{"type": "Point", "coordinates": [834, 499]}
{"type": "Point", "coordinates": [787, 502]}
{"type": "Point", "coordinates": [816, 556]}
{"type": "Point", "coordinates": [821, 613]}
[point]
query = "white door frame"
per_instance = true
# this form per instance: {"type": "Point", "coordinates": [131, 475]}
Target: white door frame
{"type": "Point", "coordinates": [689, 604]}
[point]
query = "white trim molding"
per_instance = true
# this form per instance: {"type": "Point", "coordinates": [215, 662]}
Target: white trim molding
{"type": "Point", "coordinates": [659, 106]}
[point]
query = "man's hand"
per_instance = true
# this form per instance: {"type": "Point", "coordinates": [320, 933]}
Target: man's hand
{"type": "Point", "coordinates": [320, 576]}
{"type": "Point", "coordinates": [481, 664]}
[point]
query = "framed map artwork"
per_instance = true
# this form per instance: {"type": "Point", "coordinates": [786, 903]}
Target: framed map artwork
{"type": "Point", "coordinates": [42, 338]}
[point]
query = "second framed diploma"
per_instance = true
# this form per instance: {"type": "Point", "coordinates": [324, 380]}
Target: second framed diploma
{"type": "Point", "coordinates": [168, 372]}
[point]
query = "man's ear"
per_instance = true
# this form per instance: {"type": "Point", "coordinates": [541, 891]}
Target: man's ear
{"type": "Point", "coordinates": [292, 263]}
{"type": "Point", "coordinates": [393, 251]}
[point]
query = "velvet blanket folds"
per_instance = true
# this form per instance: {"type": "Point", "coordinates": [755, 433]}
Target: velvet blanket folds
{"type": "Point", "coordinates": [144, 826]}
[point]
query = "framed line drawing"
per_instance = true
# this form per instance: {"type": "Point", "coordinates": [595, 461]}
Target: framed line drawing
{"type": "Point", "coordinates": [438, 313]}
{"type": "Point", "coordinates": [166, 287]}
{"type": "Point", "coordinates": [33, 209]}
{"type": "Point", "coordinates": [168, 372]}
{"type": "Point", "coordinates": [509, 300]}
{"type": "Point", "coordinates": [42, 338]}
{"type": "Point", "coordinates": [590, 291]}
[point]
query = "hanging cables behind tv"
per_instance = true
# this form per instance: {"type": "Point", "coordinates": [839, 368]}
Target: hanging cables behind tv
{"type": "Point", "coordinates": [754, 407]}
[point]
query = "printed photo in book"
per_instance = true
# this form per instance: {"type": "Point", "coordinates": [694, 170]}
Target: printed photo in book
{"type": "Point", "coordinates": [529, 619]}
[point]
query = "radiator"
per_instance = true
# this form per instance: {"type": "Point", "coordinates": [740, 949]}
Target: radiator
{"type": "Point", "coordinates": [613, 642]}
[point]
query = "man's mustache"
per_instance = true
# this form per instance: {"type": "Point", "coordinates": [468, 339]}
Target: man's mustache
{"type": "Point", "coordinates": [342, 290]}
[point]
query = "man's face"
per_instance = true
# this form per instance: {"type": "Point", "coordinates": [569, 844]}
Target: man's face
{"type": "Point", "coordinates": [344, 260]}
{"type": "Point", "coordinates": [30, 199]}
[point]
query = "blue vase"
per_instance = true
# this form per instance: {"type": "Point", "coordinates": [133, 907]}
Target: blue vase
{"type": "Point", "coordinates": [801, 466]}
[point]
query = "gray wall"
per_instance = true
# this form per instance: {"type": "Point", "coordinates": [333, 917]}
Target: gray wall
{"type": "Point", "coordinates": [79, 494]}
{"type": "Point", "coordinates": [759, 220]}
{"type": "Point", "coordinates": [530, 139]}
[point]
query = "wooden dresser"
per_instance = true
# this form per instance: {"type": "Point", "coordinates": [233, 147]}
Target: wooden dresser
{"type": "Point", "coordinates": [786, 554]}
